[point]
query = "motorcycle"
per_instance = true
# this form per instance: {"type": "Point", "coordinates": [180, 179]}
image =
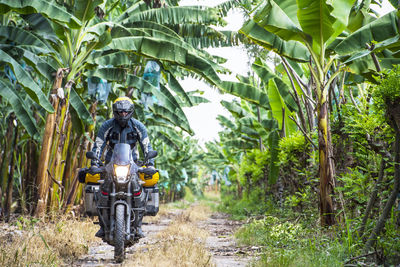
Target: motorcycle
{"type": "Point", "coordinates": [115, 193]}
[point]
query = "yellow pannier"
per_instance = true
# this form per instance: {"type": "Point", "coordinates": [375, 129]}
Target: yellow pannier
{"type": "Point", "coordinates": [149, 180]}
{"type": "Point", "coordinates": [92, 178]}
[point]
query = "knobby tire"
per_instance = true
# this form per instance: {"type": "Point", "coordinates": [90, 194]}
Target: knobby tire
{"type": "Point", "coordinates": [119, 249]}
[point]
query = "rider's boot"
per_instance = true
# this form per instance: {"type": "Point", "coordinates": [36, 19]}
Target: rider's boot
{"type": "Point", "coordinates": [101, 233]}
{"type": "Point", "coordinates": [139, 231]}
{"type": "Point", "coordinates": [104, 202]}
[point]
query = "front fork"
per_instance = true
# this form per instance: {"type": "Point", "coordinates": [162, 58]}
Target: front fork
{"type": "Point", "coordinates": [132, 214]}
{"type": "Point", "coordinates": [121, 198]}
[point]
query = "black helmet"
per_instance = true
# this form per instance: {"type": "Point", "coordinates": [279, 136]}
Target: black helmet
{"type": "Point", "coordinates": [123, 105]}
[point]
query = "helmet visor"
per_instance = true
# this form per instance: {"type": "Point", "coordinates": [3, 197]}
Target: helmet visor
{"type": "Point", "coordinates": [123, 106]}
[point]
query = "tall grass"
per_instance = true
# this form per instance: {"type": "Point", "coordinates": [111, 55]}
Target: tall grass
{"type": "Point", "coordinates": [32, 242]}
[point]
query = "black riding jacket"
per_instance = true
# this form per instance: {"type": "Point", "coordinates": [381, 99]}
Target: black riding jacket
{"type": "Point", "coordinates": [111, 133]}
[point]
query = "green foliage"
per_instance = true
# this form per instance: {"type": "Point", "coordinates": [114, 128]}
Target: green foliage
{"type": "Point", "coordinates": [359, 124]}
{"type": "Point", "coordinates": [253, 166]}
{"type": "Point", "coordinates": [355, 184]}
{"type": "Point", "coordinates": [291, 243]}
{"type": "Point", "coordinates": [300, 198]}
{"type": "Point", "coordinates": [253, 203]}
{"type": "Point", "coordinates": [298, 172]}
{"type": "Point", "coordinates": [390, 242]}
{"type": "Point", "coordinates": [26, 223]}
{"type": "Point", "coordinates": [387, 93]}
{"type": "Point", "coordinates": [357, 128]}
{"type": "Point", "coordinates": [270, 232]}
{"type": "Point", "coordinates": [291, 147]}
{"type": "Point", "coordinates": [288, 238]}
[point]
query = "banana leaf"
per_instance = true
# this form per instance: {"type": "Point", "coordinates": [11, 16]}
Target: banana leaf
{"type": "Point", "coordinates": [247, 92]}
{"type": "Point", "coordinates": [49, 9]}
{"type": "Point", "coordinates": [379, 30]}
{"type": "Point", "coordinates": [290, 49]}
{"type": "Point", "coordinates": [29, 85]}
{"type": "Point", "coordinates": [80, 108]}
{"type": "Point", "coordinates": [23, 113]}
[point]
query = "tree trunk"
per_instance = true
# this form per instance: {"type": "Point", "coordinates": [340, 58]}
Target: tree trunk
{"type": "Point", "coordinates": [30, 175]}
{"type": "Point", "coordinates": [61, 147]}
{"type": "Point", "coordinates": [42, 176]}
{"type": "Point", "coordinates": [72, 171]}
{"type": "Point", "coordinates": [86, 146]}
{"type": "Point", "coordinates": [261, 146]}
{"type": "Point", "coordinates": [392, 198]}
{"type": "Point", "coordinates": [59, 163]}
{"type": "Point", "coordinates": [10, 182]}
{"type": "Point", "coordinates": [5, 161]}
{"type": "Point", "coordinates": [42, 179]}
{"type": "Point", "coordinates": [326, 167]}
{"type": "Point", "coordinates": [373, 197]}
{"type": "Point", "coordinates": [71, 162]}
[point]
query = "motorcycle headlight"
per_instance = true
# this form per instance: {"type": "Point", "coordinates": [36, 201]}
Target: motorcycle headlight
{"type": "Point", "coordinates": [121, 173]}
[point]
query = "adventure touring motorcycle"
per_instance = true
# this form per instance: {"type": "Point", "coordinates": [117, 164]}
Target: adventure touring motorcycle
{"type": "Point", "coordinates": [132, 192]}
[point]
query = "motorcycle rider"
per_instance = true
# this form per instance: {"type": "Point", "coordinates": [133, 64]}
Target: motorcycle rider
{"type": "Point", "coordinates": [122, 128]}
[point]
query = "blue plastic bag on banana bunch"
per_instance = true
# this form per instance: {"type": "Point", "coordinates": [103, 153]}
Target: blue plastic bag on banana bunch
{"type": "Point", "coordinates": [98, 88]}
{"type": "Point", "coordinates": [152, 73]}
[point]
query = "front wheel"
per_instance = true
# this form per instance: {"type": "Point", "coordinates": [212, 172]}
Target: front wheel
{"type": "Point", "coordinates": [119, 235]}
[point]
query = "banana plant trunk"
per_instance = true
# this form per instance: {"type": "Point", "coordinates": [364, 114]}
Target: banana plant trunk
{"type": "Point", "coordinates": [86, 146]}
{"type": "Point", "coordinates": [42, 179]}
{"type": "Point", "coordinates": [6, 157]}
{"type": "Point", "coordinates": [30, 175]}
{"type": "Point", "coordinates": [59, 163]}
{"type": "Point", "coordinates": [326, 165]}
{"type": "Point", "coordinates": [10, 180]}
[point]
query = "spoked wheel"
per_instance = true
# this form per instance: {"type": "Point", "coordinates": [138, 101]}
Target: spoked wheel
{"type": "Point", "coordinates": [119, 249]}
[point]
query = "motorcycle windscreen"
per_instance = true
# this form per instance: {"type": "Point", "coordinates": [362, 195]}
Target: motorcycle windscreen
{"type": "Point", "coordinates": [121, 154]}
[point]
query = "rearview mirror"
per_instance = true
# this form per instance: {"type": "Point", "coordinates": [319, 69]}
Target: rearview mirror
{"type": "Point", "coordinates": [151, 154]}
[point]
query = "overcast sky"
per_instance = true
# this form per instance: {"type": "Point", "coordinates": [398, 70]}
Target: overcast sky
{"type": "Point", "coordinates": [202, 118]}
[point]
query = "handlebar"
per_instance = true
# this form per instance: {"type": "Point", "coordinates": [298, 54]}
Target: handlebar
{"type": "Point", "coordinates": [101, 169]}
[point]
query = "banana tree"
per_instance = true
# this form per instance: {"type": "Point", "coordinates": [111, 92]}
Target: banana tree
{"type": "Point", "coordinates": [330, 35]}
{"type": "Point", "coordinates": [179, 161]}
{"type": "Point", "coordinates": [255, 124]}
{"type": "Point", "coordinates": [221, 155]}
{"type": "Point", "coordinates": [312, 26]}
{"type": "Point", "coordinates": [275, 112]}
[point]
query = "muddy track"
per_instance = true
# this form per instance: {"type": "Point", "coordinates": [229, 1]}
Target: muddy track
{"type": "Point", "coordinates": [220, 243]}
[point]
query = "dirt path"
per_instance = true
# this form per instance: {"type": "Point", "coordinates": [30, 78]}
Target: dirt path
{"type": "Point", "coordinates": [102, 254]}
{"type": "Point", "coordinates": [218, 243]}
{"type": "Point", "coordinates": [221, 242]}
